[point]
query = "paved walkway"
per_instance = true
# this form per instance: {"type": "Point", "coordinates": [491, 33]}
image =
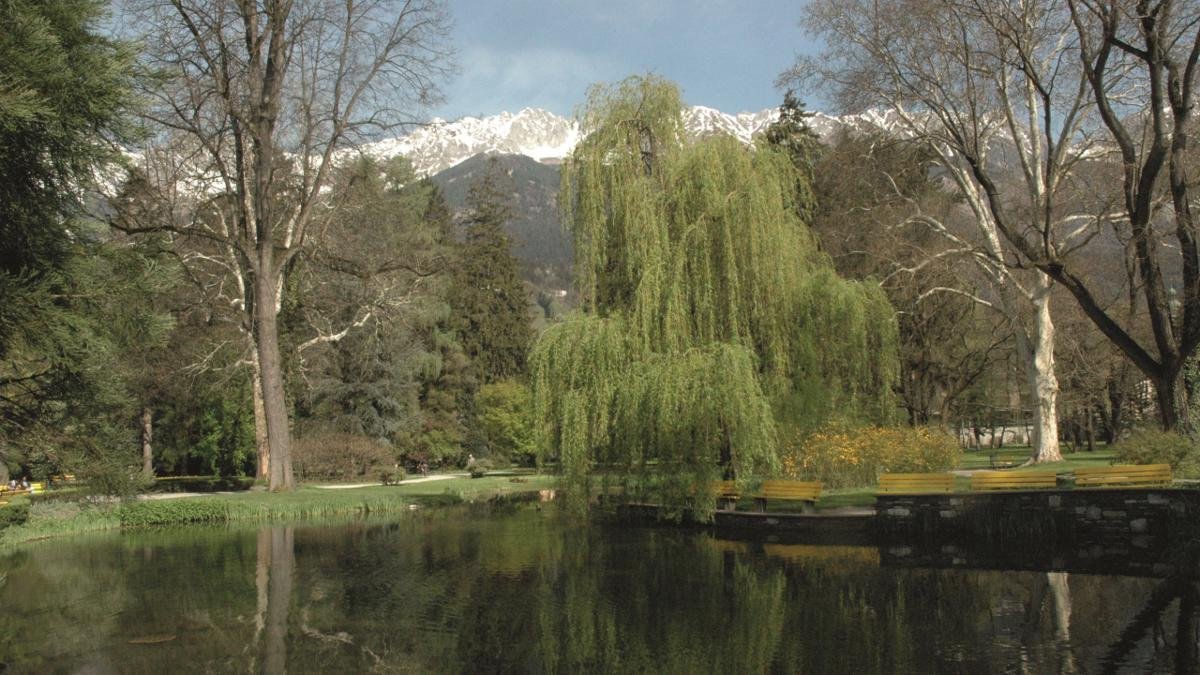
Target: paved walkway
{"type": "Point", "coordinates": [409, 481]}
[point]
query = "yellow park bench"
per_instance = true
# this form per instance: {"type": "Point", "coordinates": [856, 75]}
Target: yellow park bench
{"type": "Point", "coordinates": [1124, 474]}
{"type": "Point", "coordinates": [727, 493]}
{"type": "Point", "coordinates": [1013, 480]}
{"type": "Point", "coordinates": [7, 492]}
{"type": "Point", "coordinates": [915, 483]}
{"type": "Point", "coordinates": [788, 490]}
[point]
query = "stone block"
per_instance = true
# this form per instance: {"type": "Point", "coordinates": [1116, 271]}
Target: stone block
{"type": "Point", "coordinates": [1139, 526]}
{"type": "Point", "coordinates": [901, 512]}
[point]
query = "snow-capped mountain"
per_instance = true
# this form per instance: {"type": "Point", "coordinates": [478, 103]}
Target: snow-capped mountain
{"type": "Point", "coordinates": [549, 138]}
{"type": "Point", "coordinates": [439, 145]}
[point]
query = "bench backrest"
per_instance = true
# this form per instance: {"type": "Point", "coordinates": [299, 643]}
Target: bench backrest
{"type": "Point", "coordinates": [726, 488]}
{"type": "Point", "coordinates": [1124, 474]}
{"type": "Point", "coordinates": [915, 483]}
{"type": "Point", "coordinates": [1013, 480]}
{"type": "Point", "coordinates": [791, 489]}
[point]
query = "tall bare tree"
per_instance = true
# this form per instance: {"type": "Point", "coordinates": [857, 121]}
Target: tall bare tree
{"type": "Point", "coordinates": [992, 89]}
{"type": "Point", "coordinates": [1140, 60]}
{"type": "Point", "coordinates": [255, 100]}
{"type": "Point", "coordinates": [1059, 85]}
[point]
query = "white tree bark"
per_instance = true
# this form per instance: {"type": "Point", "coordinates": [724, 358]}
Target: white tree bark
{"type": "Point", "coordinates": [1043, 384]}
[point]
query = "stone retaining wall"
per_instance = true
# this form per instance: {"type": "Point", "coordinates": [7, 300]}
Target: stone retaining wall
{"type": "Point", "coordinates": [1155, 515]}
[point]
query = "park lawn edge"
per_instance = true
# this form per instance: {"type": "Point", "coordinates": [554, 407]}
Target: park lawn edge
{"type": "Point", "coordinates": [52, 520]}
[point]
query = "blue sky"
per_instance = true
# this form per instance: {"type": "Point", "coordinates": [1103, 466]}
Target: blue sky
{"type": "Point", "coordinates": [525, 53]}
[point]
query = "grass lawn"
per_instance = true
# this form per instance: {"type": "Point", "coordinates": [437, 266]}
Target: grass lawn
{"type": "Point", "coordinates": [982, 459]}
{"type": "Point", "coordinates": [55, 518]}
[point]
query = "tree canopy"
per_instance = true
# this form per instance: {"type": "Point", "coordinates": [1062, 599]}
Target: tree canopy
{"type": "Point", "coordinates": [706, 300]}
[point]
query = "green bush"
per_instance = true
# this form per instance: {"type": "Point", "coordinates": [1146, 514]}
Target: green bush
{"type": "Point", "coordinates": [203, 484]}
{"type": "Point", "coordinates": [172, 512]}
{"type": "Point", "coordinates": [479, 468]}
{"type": "Point", "coordinates": [13, 514]}
{"type": "Point", "coordinates": [339, 456]}
{"type": "Point", "coordinates": [1151, 446]}
{"type": "Point", "coordinates": [391, 476]}
{"type": "Point", "coordinates": [840, 456]}
{"type": "Point", "coordinates": [505, 415]}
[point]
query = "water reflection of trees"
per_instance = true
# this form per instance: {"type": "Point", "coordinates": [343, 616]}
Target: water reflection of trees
{"type": "Point", "coordinates": [459, 590]}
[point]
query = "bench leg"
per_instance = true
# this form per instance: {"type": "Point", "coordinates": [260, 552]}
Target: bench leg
{"type": "Point", "coordinates": [761, 503]}
{"type": "Point", "coordinates": [808, 507]}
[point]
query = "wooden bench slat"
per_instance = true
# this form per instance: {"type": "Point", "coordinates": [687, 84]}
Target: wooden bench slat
{"type": "Point", "coordinates": [1131, 474]}
{"type": "Point", "coordinates": [915, 483]}
{"type": "Point", "coordinates": [1001, 480]}
{"type": "Point", "coordinates": [788, 490]}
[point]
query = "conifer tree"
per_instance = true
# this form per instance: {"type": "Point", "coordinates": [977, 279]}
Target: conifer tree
{"type": "Point", "coordinates": [70, 300]}
{"type": "Point", "coordinates": [705, 300]}
{"type": "Point", "coordinates": [488, 295]}
{"type": "Point", "coordinates": [792, 135]}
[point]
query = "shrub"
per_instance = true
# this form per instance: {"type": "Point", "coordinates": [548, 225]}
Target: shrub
{"type": "Point", "coordinates": [505, 414]}
{"type": "Point", "coordinates": [203, 484]}
{"type": "Point", "coordinates": [13, 514]}
{"type": "Point", "coordinates": [173, 512]}
{"type": "Point", "coordinates": [334, 455]}
{"type": "Point", "coordinates": [479, 467]}
{"type": "Point", "coordinates": [1151, 446]}
{"type": "Point", "coordinates": [840, 456]}
{"type": "Point", "coordinates": [391, 476]}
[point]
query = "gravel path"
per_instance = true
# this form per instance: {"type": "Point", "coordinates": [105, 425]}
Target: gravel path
{"type": "Point", "coordinates": [409, 481]}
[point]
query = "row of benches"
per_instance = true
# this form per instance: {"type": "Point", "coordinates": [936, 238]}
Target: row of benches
{"type": "Point", "coordinates": [1107, 476]}
{"type": "Point", "coordinates": [36, 487]}
{"type": "Point", "coordinates": [930, 483]}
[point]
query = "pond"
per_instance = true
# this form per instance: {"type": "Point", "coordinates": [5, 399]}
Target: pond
{"type": "Point", "coordinates": [516, 588]}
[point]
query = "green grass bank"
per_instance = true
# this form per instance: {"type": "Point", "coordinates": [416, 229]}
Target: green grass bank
{"type": "Point", "coordinates": [54, 518]}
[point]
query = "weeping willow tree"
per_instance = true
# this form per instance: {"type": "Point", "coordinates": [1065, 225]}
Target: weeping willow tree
{"type": "Point", "coordinates": [705, 300]}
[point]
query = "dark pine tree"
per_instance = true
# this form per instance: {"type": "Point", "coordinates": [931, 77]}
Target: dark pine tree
{"type": "Point", "coordinates": [793, 135]}
{"type": "Point", "coordinates": [488, 296]}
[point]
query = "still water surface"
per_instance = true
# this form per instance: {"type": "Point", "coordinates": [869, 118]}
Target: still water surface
{"type": "Point", "coordinates": [515, 589]}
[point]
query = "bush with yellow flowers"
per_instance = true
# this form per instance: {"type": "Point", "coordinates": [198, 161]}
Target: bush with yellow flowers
{"type": "Point", "coordinates": [842, 456]}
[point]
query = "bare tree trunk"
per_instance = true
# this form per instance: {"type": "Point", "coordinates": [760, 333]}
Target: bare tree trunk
{"type": "Point", "coordinates": [1060, 596]}
{"type": "Point", "coordinates": [261, 442]}
{"type": "Point", "coordinates": [271, 366]}
{"type": "Point", "coordinates": [1172, 401]}
{"type": "Point", "coordinates": [1043, 384]}
{"type": "Point", "coordinates": [147, 440]}
{"type": "Point", "coordinates": [1090, 428]}
{"type": "Point", "coordinates": [279, 599]}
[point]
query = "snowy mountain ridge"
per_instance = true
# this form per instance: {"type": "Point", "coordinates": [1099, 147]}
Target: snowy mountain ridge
{"type": "Point", "coordinates": [549, 138]}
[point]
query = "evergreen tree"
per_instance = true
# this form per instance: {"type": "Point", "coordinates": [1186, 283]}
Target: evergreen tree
{"type": "Point", "coordinates": [705, 300]}
{"type": "Point", "coordinates": [70, 301]}
{"type": "Point", "coordinates": [488, 295]}
{"type": "Point", "coordinates": [792, 135]}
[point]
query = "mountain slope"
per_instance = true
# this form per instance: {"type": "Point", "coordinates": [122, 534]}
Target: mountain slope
{"type": "Point", "coordinates": [539, 240]}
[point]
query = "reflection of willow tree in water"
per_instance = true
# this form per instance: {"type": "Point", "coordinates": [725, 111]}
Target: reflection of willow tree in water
{"type": "Point", "coordinates": [680, 607]}
{"type": "Point", "coordinates": [706, 299]}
